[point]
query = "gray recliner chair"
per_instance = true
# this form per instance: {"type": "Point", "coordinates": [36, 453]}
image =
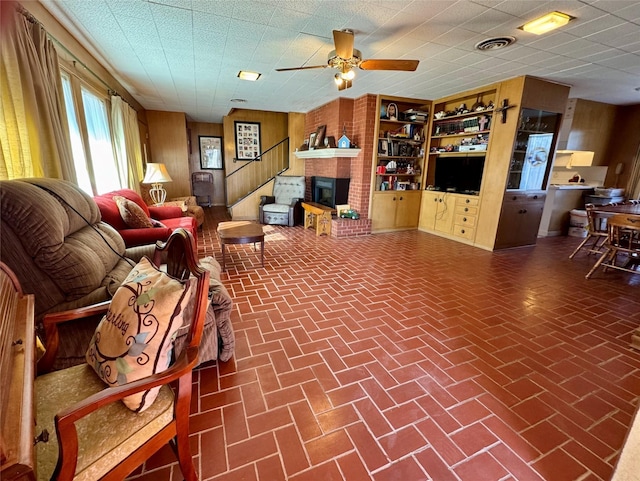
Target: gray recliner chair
{"type": "Point", "coordinates": [283, 207]}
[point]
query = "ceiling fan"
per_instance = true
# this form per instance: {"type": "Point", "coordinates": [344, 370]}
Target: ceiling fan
{"type": "Point", "coordinates": [345, 58]}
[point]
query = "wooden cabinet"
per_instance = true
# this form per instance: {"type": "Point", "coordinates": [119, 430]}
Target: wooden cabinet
{"type": "Point", "coordinates": [398, 162]}
{"type": "Point", "coordinates": [520, 219]}
{"type": "Point", "coordinates": [488, 146]}
{"type": "Point", "coordinates": [533, 149]}
{"type": "Point", "coordinates": [395, 210]}
{"type": "Point", "coordinates": [453, 215]}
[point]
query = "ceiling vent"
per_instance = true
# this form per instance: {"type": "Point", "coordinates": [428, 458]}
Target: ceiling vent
{"type": "Point", "coordinates": [495, 43]}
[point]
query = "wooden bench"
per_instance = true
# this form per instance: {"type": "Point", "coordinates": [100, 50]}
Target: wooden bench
{"type": "Point", "coordinates": [317, 216]}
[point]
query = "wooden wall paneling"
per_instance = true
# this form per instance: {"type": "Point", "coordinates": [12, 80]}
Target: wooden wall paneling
{"type": "Point", "coordinates": [592, 129]}
{"type": "Point", "coordinates": [168, 143]}
{"type": "Point", "coordinates": [624, 144]}
{"type": "Point", "coordinates": [296, 133]}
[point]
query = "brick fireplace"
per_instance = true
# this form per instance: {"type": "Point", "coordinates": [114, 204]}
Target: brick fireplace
{"type": "Point", "coordinates": [358, 116]}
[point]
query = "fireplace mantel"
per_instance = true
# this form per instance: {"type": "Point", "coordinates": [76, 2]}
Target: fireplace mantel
{"type": "Point", "coordinates": [326, 153]}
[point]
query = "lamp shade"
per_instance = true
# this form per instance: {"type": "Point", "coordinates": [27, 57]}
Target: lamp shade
{"type": "Point", "coordinates": [156, 173]}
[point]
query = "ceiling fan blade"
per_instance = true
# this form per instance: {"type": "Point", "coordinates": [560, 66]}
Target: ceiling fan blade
{"type": "Point", "coordinates": [343, 42]}
{"type": "Point", "coordinates": [300, 68]}
{"type": "Point", "coordinates": [344, 85]}
{"type": "Point", "coordinates": [383, 64]}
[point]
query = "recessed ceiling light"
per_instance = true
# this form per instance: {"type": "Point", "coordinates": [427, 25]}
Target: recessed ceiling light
{"type": "Point", "coordinates": [246, 75]}
{"type": "Point", "coordinates": [546, 23]}
{"type": "Point", "coordinates": [238, 100]}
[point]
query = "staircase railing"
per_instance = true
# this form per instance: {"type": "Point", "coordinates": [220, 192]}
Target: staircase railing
{"type": "Point", "coordinates": [256, 172]}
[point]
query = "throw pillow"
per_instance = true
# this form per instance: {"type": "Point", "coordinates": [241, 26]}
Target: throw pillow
{"type": "Point", "coordinates": [135, 338]}
{"type": "Point", "coordinates": [131, 213]}
{"type": "Point", "coordinates": [157, 223]}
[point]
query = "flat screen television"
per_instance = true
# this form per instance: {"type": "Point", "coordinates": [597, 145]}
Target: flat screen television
{"type": "Point", "coordinates": [459, 174]}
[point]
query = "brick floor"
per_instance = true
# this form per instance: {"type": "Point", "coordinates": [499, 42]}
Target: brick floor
{"type": "Point", "coordinates": [406, 356]}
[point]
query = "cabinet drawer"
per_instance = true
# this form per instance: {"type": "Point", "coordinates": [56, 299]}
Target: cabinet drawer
{"type": "Point", "coordinates": [464, 231]}
{"type": "Point", "coordinates": [536, 196]}
{"type": "Point", "coordinates": [466, 209]}
{"type": "Point", "coordinates": [463, 220]}
{"type": "Point", "coordinates": [467, 201]}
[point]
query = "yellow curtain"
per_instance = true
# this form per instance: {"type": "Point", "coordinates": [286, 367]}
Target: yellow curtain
{"type": "Point", "coordinates": [35, 141]}
{"type": "Point", "coordinates": [127, 147]}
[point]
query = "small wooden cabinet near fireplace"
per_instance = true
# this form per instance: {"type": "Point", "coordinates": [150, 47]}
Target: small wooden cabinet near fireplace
{"type": "Point", "coordinates": [398, 162]}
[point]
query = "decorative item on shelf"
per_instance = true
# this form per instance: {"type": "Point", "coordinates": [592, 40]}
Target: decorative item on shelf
{"type": "Point", "coordinates": [304, 146]}
{"type": "Point", "coordinates": [392, 111]}
{"type": "Point", "coordinates": [312, 140]}
{"type": "Point", "coordinates": [341, 207]}
{"type": "Point", "coordinates": [479, 105]}
{"type": "Point", "coordinates": [462, 109]}
{"type": "Point", "coordinates": [319, 140]}
{"type": "Point", "coordinates": [344, 142]}
{"type": "Point", "coordinates": [349, 214]}
{"type": "Point", "coordinates": [391, 167]}
{"type": "Point", "coordinates": [381, 169]}
{"type": "Point", "coordinates": [439, 115]}
{"type": "Point", "coordinates": [330, 142]}
{"type": "Point", "coordinates": [157, 175]}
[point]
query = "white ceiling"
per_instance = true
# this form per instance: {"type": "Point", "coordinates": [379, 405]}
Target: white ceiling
{"type": "Point", "coordinates": [184, 55]}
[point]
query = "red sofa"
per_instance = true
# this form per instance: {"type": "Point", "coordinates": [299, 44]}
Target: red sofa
{"type": "Point", "coordinates": [171, 217]}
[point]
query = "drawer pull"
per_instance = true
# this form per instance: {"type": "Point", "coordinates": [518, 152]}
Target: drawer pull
{"type": "Point", "coordinates": [467, 201]}
{"type": "Point", "coordinates": [535, 196]}
{"type": "Point", "coordinates": [466, 209]}
{"type": "Point", "coordinates": [400, 198]}
{"type": "Point", "coordinates": [464, 219]}
{"type": "Point", "coordinates": [462, 231]}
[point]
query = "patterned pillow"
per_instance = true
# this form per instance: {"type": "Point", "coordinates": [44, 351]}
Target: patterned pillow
{"type": "Point", "coordinates": [135, 338]}
{"type": "Point", "coordinates": [131, 213]}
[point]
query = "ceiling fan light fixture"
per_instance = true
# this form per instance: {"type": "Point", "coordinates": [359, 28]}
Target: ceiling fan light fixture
{"type": "Point", "coordinates": [547, 22]}
{"type": "Point", "coordinates": [338, 79]}
{"type": "Point", "coordinates": [348, 74]}
{"type": "Point", "coordinates": [247, 75]}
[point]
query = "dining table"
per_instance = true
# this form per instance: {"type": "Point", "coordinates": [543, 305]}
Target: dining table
{"type": "Point", "coordinates": [619, 208]}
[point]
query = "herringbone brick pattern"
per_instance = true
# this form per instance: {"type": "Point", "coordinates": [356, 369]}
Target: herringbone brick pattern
{"type": "Point", "coordinates": [409, 357]}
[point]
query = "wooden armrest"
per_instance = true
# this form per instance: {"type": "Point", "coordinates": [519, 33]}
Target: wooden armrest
{"type": "Point", "coordinates": [65, 420]}
{"type": "Point", "coordinates": [50, 323]}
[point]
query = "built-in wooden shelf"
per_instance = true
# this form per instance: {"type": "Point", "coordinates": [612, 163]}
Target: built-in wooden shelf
{"type": "Point", "coordinates": [326, 153]}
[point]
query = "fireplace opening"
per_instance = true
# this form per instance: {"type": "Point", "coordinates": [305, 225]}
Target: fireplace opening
{"type": "Point", "coordinates": [330, 192]}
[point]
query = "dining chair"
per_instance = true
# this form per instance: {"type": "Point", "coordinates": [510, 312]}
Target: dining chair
{"type": "Point", "coordinates": [633, 201]}
{"type": "Point", "coordinates": [622, 249]}
{"type": "Point", "coordinates": [596, 231]}
{"type": "Point", "coordinates": [100, 415]}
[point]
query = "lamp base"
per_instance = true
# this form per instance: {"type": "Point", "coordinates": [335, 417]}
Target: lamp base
{"type": "Point", "coordinates": [158, 194]}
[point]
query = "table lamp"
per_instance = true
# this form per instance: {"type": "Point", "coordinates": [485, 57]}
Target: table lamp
{"type": "Point", "coordinates": [156, 175]}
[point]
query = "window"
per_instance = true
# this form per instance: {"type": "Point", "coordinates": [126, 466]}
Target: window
{"type": "Point", "coordinates": [88, 120]}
